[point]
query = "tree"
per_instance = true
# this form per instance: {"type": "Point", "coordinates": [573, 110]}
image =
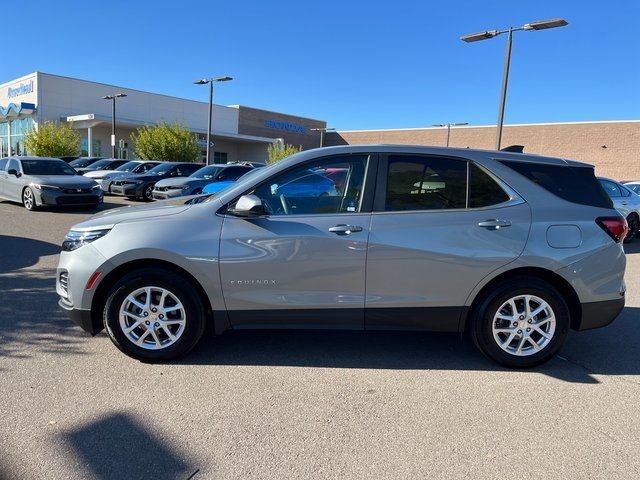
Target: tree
{"type": "Point", "coordinates": [52, 139]}
{"type": "Point", "coordinates": [166, 142]}
{"type": "Point", "coordinates": [277, 152]}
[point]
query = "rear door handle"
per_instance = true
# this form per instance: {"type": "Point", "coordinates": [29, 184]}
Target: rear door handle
{"type": "Point", "coordinates": [494, 224]}
{"type": "Point", "coordinates": [343, 229]}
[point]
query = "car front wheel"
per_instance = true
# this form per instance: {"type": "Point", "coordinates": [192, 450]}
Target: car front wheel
{"type": "Point", "coordinates": [154, 315]}
{"type": "Point", "coordinates": [147, 193]}
{"type": "Point", "coordinates": [521, 323]}
{"type": "Point", "coordinates": [28, 199]}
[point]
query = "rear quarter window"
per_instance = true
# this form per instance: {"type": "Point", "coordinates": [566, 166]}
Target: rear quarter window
{"type": "Point", "coordinates": [573, 184]}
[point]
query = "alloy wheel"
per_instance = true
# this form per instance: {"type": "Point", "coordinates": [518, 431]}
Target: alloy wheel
{"type": "Point", "coordinates": [152, 318]}
{"type": "Point", "coordinates": [27, 199]}
{"type": "Point", "coordinates": [524, 325]}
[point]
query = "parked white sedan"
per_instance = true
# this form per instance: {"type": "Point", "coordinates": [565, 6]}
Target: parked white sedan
{"type": "Point", "coordinates": [627, 202]}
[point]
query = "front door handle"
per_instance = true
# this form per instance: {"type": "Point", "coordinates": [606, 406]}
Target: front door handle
{"type": "Point", "coordinates": [494, 224]}
{"type": "Point", "coordinates": [343, 229]}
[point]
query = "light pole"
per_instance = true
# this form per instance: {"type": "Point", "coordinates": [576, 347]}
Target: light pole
{"type": "Point", "coordinates": [113, 120]}
{"type": "Point", "coordinates": [476, 37]}
{"type": "Point", "coordinates": [210, 81]}
{"type": "Point", "coordinates": [449, 125]}
{"type": "Point", "coordinates": [322, 131]}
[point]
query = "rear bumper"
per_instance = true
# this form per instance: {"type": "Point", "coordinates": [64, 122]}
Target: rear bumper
{"type": "Point", "coordinates": [600, 314]}
{"type": "Point", "coordinates": [82, 318]}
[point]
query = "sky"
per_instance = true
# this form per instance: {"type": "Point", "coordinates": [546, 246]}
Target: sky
{"type": "Point", "coordinates": [355, 64]}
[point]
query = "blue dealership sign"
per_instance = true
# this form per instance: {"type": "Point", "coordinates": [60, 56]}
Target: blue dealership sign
{"type": "Point", "coordinates": [288, 126]}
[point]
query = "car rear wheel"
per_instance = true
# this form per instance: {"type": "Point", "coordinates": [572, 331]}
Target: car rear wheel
{"type": "Point", "coordinates": [28, 199]}
{"type": "Point", "coordinates": [634, 225]}
{"type": "Point", "coordinates": [154, 315]}
{"type": "Point", "coordinates": [521, 323]}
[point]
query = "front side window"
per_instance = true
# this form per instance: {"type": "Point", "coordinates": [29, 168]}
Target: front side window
{"type": "Point", "coordinates": [425, 183]}
{"type": "Point", "coordinates": [144, 167]}
{"type": "Point", "coordinates": [162, 169]}
{"type": "Point", "coordinates": [309, 189]}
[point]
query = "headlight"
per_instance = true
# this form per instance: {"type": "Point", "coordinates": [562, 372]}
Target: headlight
{"type": "Point", "coordinates": [98, 178]}
{"type": "Point", "coordinates": [40, 186]}
{"type": "Point", "coordinates": [95, 187]}
{"type": "Point", "coordinates": [76, 238]}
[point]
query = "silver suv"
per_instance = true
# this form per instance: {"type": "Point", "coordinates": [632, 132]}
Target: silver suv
{"type": "Point", "coordinates": [513, 249]}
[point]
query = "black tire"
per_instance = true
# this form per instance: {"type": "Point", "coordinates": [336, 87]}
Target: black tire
{"type": "Point", "coordinates": [147, 192]}
{"type": "Point", "coordinates": [197, 191]}
{"type": "Point", "coordinates": [634, 226]}
{"type": "Point", "coordinates": [29, 199]}
{"type": "Point", "coordinates": [482, 317]}
{"type": "Point", "coordinates": [179, 286]}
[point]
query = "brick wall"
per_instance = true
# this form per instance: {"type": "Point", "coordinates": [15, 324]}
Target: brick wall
{"type": "Point", "coordinates": [577, 141]}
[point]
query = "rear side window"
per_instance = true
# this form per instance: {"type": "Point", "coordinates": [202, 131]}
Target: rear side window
{"type": "Point", "coordinates": [425, 183]}
{"type": "Point", "coordinates": [186, 170]}
{"type": "Point", "coordinates": [483, 190]}
{"type": "Point", "coordinates": [611, 188]}
{"type": "Point", "coordinates": [574, 184]}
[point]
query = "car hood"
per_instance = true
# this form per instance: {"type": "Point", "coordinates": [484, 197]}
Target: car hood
{"type": "Point", "coordinates": [64, 181]}
{"type": "Point", "coordinates": [98, 173]}
{"type": "Point", "coordinates": [109, 218]}
{"type": "Point", "coordinates": [145, 177]}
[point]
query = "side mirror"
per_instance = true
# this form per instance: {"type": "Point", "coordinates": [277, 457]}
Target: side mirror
{"type": "Point", "coordinates": [13, 171]}
{"type": "Point", "coordinates": [248, 206]}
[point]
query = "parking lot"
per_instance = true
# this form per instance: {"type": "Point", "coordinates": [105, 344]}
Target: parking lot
{"type": "Point", "coordinates": [298, 405]}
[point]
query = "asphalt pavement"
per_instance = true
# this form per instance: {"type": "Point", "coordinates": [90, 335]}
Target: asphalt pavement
{"type": "Point", "coordinates": [298, 405]}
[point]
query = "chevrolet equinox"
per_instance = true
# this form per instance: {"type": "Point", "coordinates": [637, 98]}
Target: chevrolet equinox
{"type": "Point", "coordinates": [512, 249]}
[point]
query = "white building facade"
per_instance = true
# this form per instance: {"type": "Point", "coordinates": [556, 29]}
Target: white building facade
{"type": "Point", "coordinates": [38, 97]}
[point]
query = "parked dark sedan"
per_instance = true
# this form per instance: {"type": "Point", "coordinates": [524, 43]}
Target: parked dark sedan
{"type": "Point", "coordinates": [81, 162]}
{"type": "Point", "coordinates": [141, 186]}
{"type": "Point", "coordinates": [39, 181]}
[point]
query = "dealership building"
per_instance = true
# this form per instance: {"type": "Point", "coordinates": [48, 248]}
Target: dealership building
{"type": "Point", "coordinates": [239, 133]}
{"type": "Point", "coordinates": [243, 133]}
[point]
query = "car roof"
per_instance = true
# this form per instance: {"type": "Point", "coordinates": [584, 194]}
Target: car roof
{"type": "Point", "coordinates": [35, 158]}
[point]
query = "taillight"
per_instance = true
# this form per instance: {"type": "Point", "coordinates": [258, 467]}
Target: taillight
{"type": "Point", "coordinates": [616, 227]}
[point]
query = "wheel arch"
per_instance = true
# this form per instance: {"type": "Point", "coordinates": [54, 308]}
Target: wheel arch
{"type": "Point", "coordinates": [102, 290]}
{"type": "Point", "coordinates": [559, 283]}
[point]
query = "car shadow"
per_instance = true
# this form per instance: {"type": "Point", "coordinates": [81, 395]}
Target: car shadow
{"type": "Point", "coordinates": [632, 248]}
{"type": "Point", "coordinates": [613, 350]}
{"type": "Point", "coordinates": [117, 446]}
{"type": "Point", "coordinates": [19, 252]}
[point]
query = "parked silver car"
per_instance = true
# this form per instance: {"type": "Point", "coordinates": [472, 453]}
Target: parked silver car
{"type": "Point", "coordinates": [513, 249]}
{"type": "Point", "coordinates": [633, 185]}
{"type": "Point", "coordinates": [194, 183]}
{"type": "Point", "coordinates": [39, 181]}
{"type": "Point", "coordinates": [106, 177]}
{"type": "Point", "coordinates": [627, 202]}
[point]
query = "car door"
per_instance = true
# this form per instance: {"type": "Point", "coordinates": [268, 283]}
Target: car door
{"type": "Point", "coordinates": [14, 184]}
{"type": "Point", "coordinates": [440, 225]}
{"type": "Point", "coordinates": [302, 264]}
{"type": "Point", "coordinates": [3, 175]}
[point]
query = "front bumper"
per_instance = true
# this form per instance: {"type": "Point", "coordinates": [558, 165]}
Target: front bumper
{"type": "Point", "coordinates": [166, 194]}
{"type": "Point", "coordinates": [128, 190]}
{"type": "Point", "coordinates": [600, 314]}
{"type": "Point", "coordinates": [83, 318]}
{"type": "Point", "coordinates": [59, 198]}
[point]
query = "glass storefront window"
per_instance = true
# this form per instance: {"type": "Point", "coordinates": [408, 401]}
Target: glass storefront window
{"type": "Point", "coordinates": [4, 139]}
{"type": "Point", "coordinates": [84, 147]}
{"type": "Point", "coordinates": [19, 128]}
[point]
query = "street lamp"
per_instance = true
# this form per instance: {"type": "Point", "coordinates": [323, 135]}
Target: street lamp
{"type": "Point", "coordinates": [210, 81]}
{"type": "Point", "coordinates": [449, 125]}
{"type": "Point", "coordinates": [113, 120]}
{"type": "Point", "coordinates": [476, 37]}
{"type": "Point", "coordinates": [322, 131]}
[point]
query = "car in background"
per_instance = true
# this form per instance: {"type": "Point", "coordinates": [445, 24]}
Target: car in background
{"type": "Point", "coordinates": [252, 164]}
{"type": "Point", "coordinates": [40, 181]}
{"type": "Point", "coordinates": [197, 181]}
{"type": "Point", "coordinates": [106, 177]}
{"type": "Point", "coordinates": [81, 162]}
{"type": "Point", "coordinates": [142, 185]}
{"type": "Point", "coordinates": [216, 187]}
{"type": "Point", "coordinates": [627, 202]}
{"type": "Point", "coordinates": [633, 186]}
{"type": "Point", "coordinates": [104, 164]}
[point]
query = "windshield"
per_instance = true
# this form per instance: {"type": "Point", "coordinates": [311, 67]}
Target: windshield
{"type": "Point", "coordinates": [161, 169]}
{"type": "Point", "coordinates": [127, 167]}
{"type": "Point", "coordinates": [206, 173]}
{"type": "Point", "coordinates": [46, 167]}
{"type": "Point", "coordinates": [99, 165]}
{"type": "Point", "coordinates": [243, 179]}
{"type": "Point", "coordinates": [82, 162]}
